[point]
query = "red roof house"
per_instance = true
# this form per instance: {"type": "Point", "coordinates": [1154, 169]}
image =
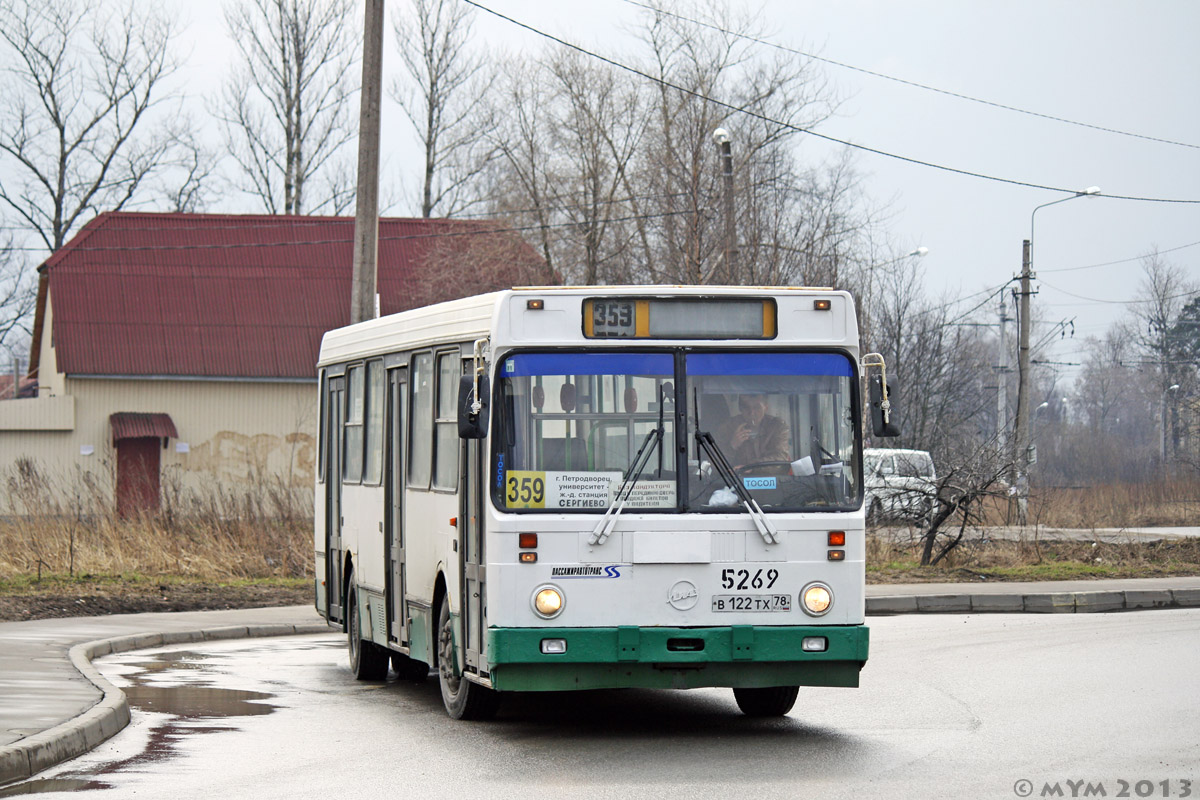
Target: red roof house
{"type": "Point", "coordinates": [204, 329]}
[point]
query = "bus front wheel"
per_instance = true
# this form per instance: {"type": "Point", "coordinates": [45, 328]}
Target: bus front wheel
{"type": "Point", "coordinates": [463, 699]}
{"type": "Point", "coordinates": [773, 701]}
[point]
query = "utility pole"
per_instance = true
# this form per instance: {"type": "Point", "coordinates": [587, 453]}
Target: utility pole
{"type": "Point", "coordinates": [721, 137]}
{"type": "Point", "coordinates": [366, 209]}
{"type": "Point", "coordinates": [1020, 501]}
{"type": "Point", "coordinates": [1002, 384]}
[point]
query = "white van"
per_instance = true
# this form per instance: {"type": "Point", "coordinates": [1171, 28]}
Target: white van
{"type": "Point", "coordinates": [898, 484]}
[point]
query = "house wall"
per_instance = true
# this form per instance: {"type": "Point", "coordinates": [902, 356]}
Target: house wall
{"type": "Point", "coordinates": [235, 431]}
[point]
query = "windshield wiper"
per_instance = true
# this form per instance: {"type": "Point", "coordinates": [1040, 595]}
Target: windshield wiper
{"type": "Point", "coordinates": [653, 439]}
{"type": "Point", "coordinates": [705, 441]}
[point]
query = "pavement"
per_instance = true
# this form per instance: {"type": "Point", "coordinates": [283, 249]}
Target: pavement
{"type": "Point", "coordinates": [54, 705]}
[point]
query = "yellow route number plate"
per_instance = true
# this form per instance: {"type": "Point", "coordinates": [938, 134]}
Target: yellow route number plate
{"type": "Point", "coordinates": [525, 489]}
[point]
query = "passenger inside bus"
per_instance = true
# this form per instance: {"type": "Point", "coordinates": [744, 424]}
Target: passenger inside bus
{"type": "Point", "coordinates": [754, 436]}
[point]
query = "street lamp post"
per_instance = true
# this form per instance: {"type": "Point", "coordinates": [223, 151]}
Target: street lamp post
{"type": "Point", "coordinates": [721, 137]}
{"type": "Point", "coordinates": [1020, 466]}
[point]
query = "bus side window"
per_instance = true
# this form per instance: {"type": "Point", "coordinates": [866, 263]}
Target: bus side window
{"type": "Point", "coordinates": [322, 433]}
{"type": "Point", "coordinates": [445, 457]}
{"type": "Point", "coordinates": [374, 424]}
{"type": "Point", "coordinates": [352, 467]}
{"type": "Point", "coordinates": [420, 441]}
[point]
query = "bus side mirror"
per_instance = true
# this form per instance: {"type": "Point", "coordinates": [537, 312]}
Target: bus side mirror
{"type": "Point", "coordinates": [883, 421]}
{"type": "Point", "coordinates": [472, 423]}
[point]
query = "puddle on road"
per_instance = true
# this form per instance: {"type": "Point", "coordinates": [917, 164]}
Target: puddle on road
{"type": "Point", "coordinates": [47, 785]}
{"type": "Point", "coordinates": [198, 702]}
{"type": "Point", "coordinates": [185, 710]}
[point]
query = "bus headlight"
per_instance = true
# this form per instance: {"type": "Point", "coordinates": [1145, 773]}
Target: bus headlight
{"type": "Point", "coordinates": [548, 601]}
{"type": "Point", "coordinates": [816, 599]}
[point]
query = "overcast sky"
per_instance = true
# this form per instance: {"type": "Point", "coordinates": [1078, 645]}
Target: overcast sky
{"type": "Point", "coordinates": [1129, 65]}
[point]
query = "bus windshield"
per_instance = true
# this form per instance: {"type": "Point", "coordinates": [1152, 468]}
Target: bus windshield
{"type": "Point", "coordinates": [569, 426]}
{"type": "Point", "coordinates": [785, 422]}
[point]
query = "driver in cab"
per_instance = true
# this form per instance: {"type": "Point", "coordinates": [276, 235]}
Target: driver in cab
{"type": "Point", "coordinates": [754, 435]}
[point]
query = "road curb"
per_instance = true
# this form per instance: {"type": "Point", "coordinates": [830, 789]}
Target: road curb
{"type": "Point", "coordinates": [1038, 603]}
{"type": "Point", "coordinates": [29, 756]}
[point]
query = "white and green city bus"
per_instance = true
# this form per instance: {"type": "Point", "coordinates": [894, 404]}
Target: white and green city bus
{"type": "Point", "coordinates": [562, 488]}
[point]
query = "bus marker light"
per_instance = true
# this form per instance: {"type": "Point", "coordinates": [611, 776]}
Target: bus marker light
{"type": "Point", "coordinates": [837, 555]}
{"type": "Point", "coordinates": [528, 558]}
{"type": "Point", "coordinates": [535, 305]}
{"type": "Point", "coordinates": [816, 599]}
{"type": "Point", "coordinates": [454, 522]}
{"type": "Point", "coordinates": [837, 538]}
{"type": "Point", "coordinates": [548, 601]}
{"type": "Point", "coordinates": [809, 644]}
{"type": "Point", "coordinates": [554, 646]}
{"type": "Point", "coordinates": [527, 541]}
{"type": "Point", "coordinates": [822, 305]}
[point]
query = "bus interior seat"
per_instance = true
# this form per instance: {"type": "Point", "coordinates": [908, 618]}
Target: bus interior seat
{"type": "Point", "coordinates": [555, 454]}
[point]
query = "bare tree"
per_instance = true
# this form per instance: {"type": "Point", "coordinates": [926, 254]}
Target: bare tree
{"type": "Point", "coordinates": [16, 296]}
{"type": "Point", "coordinates": [439, 93]}
{"type": "Point", "coordinates": [1164, 291]}
{"type": "Point", "coordinates": [286, 109]}
{"type": "Point", "coordinates": [619, 176]}
{"type": "Point", "coordinates": [707, 75]}
{"type": "Point", "coordinates": [972, 472]}
{"type": "Point", "coordinates": [941, 369]}
{"type": "Point", "coordinates": [77, 128]}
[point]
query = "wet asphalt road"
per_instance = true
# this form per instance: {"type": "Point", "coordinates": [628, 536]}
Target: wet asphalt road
{"type": "Point", "coordinates": [951, 706]}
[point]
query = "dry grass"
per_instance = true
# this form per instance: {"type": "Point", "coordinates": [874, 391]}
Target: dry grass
{"type": "Point", "coordinates": [262, 531]}
{"type": "Point", "coordinates": [1121, 505]}
{"type": "Point", "coordinates": [897, 560]}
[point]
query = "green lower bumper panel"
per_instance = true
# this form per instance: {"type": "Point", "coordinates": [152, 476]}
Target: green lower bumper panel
{"type": "Point", "coordinates": [675, 658]}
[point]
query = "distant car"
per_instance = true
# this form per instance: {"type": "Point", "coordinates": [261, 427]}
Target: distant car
{"type": "Point", "coordinates": [898, 484]}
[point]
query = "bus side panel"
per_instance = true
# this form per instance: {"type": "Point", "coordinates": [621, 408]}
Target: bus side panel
{"type": "Point", "coordinates": [431, 545]}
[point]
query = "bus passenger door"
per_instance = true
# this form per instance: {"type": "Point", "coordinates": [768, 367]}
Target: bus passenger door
{"type": "Point", "coordinates": [397, 433]}
{"type": "Point", "coordinates": [335, 441]}
{"type": "Point", "coordinates": [474, 559]}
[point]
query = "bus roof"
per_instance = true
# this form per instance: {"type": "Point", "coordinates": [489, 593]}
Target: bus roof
{"type": "Point", "coordinates": [477, 317]}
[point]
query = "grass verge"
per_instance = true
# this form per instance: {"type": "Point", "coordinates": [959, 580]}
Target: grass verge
{"type": "Point", "coordinates": [889, 561]}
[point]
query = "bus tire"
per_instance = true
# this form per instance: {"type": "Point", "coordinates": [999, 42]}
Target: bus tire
{"type": "Point", "coordinates": [409, 669]}
{"type": "Point", "coordinates": [368, 661]}
{"type": "Point", "coordinates": [773, 701]}
{"type": "Point", "coordinates": [463, 699]}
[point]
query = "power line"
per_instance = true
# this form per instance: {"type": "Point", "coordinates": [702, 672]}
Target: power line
{"type": "Point", "coordinates": [798, 129]}
{"type": "Point", "coordinates": [1113, 302]}
{"type": "Point", "coordinates": [907, 82]}
{"type": "Point", "coordinates": [1119, 261]}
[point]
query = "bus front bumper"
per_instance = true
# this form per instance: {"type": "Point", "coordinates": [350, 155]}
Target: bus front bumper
{"type": "Point", "coordinates": [741, 656]}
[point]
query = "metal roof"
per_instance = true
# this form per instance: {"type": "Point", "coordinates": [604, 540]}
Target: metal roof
{"type": "Point", "coordinates": [248, 296]}
{"type": "Point", "coordinates": [131, 425]}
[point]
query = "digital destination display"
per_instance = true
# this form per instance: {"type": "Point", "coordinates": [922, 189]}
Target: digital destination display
{"type": "Point", "coordinates": [678, 318]}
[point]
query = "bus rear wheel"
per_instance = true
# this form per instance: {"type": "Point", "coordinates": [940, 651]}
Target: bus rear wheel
{"type": "Point", "coordinates": [368, 661]}
{"type": "Point", "coordinates": [773, 701]}
{"type": "Point", "coordinates": [463, 699]}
